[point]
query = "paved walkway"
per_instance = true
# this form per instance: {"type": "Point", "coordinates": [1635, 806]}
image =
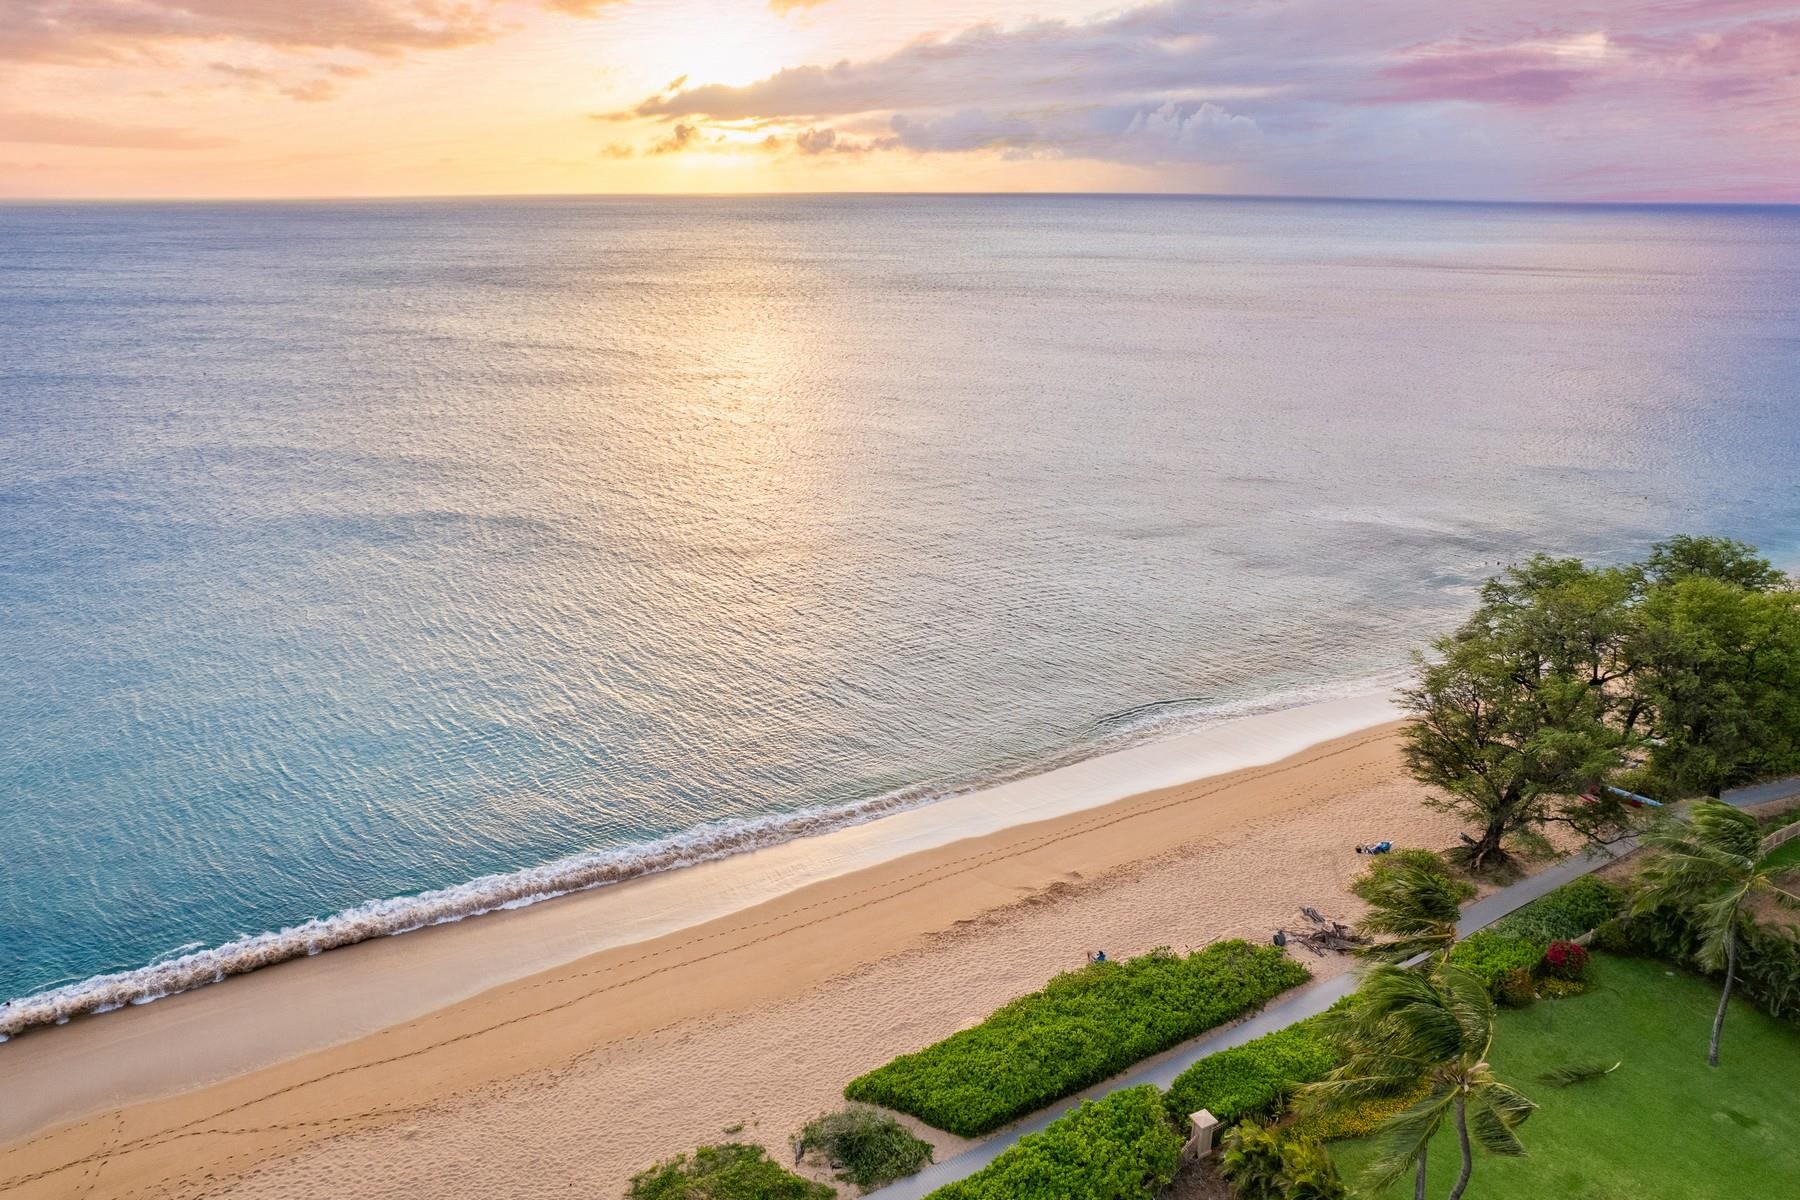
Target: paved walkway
{"type": "Point", "coordinates": [1762, 793]}
{"type": "Point", "coordinates": [1308, 1001]}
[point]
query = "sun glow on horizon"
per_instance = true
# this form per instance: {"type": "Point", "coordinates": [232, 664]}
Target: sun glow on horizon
{"type": "Point", "coordinates": [1637, 100]}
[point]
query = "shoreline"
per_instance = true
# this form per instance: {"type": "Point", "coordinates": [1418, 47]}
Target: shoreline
{"type": "Point", "coordinates": [801, 848]}
{"type": "Point", "coordinates": [621, 1000]}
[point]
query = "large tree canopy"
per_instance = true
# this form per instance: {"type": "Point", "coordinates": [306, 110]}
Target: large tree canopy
{"type": "Point", "coordinates": [1680, 674]}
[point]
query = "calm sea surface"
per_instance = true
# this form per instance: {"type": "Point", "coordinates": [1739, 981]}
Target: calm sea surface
{"type": "Point", "coordinates": [354, 551]}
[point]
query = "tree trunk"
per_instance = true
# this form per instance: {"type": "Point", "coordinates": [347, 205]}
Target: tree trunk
{"type": "Point", "coordinates": [1487, 849]}
{"type": "Point", "coordinates": [1712, 1051]}
{"type": "Point", "coordinates": [1462, 1137]}
{"type": "Point", "coordinates": [1419, 1177]}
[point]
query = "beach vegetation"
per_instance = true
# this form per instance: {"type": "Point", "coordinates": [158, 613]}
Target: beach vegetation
{"type": "Point", "coordinates": [1082, 1027]}
{"type": "Point", "coordinates": [1432, 1031]}
{"type": "Point", "coordinates": [1374, 878]}
{"type": "Point", "coordinates": [1271, 1163]}
{"type": "Point", "coordinates": [865, 1147]}
{"type": "Point", "coordinates": [1121, 1147]}
{"type": "Point", "coordinates": [1658, 1123]}
{"type": "Point", "coordinates": [732, 1171]}
{"type": "Point", "coordinates": [1706, 865]}
{"type": "Point", "coordinates": [1253, 1080]}
{"type": "Point", "coordinates": [1413, 909]}
{"type": "Point", "coordinates": [1679, 675]}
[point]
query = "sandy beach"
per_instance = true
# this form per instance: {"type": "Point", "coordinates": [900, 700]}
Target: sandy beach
{"type": "Point", "coordinates": [566, 1081]}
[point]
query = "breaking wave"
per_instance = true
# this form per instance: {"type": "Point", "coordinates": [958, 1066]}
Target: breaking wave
{"type": "Point", "coordinates": [489, 893]}
{"type": "Point", "coordinates": [188, 967]}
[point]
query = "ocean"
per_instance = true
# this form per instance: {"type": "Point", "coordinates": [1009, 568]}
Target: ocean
{"type": "Point", "coordinates": [353, 553]}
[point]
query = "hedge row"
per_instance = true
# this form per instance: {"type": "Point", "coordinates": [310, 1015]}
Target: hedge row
{"type": "Point", "coordinates": [1568, 912]}
{"type": "Point", "coordinates": [1123, 1147]}
{"type": "Point", "coordinates": [1254, 1079]}
{"type": "Point", "coordinates": [1081, 1028]}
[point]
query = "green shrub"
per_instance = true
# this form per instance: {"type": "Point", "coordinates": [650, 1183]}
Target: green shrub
{"type": "Point", "coordinates": [1368, 884]}
{"type": "Point", "coordinates": [866, 1147]}
{"type": "Point", "coordinates": [1568, 912]}
{"type": "Point", "coordinates": [1517, 988]}
{"type": "Point", "coordinates": [1271, 1164]}
{"type": "Point", "coordinates": [1356, 1120]}
{"type": "Point", "coordinates": [729, 1172]}
{"type": "Point", "coordinates": [1083, 1027]}
{"type": "Point", "coordinates": [1254, 1079]}
{"type": "Point", "coordinates": [1489, 956]}
{"type": "Point", "coordinates": [1123, 1147]}
{"type": "Point", "coordinates": [1612, 937]}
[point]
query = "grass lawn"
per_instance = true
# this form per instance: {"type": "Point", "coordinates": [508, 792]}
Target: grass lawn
{"type": "Point", "coordinates": [1664, 1126]}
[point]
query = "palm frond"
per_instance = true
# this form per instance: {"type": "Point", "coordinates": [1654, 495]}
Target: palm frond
{"type": "Point", "coordinates": [1577, 1073]}
{"type": "Point", "coordinates": [1405, 1135]}
{"type": "Point", "coordinates": [1491, 1132]}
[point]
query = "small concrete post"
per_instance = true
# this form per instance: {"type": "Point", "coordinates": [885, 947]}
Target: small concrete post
{"type": "Point", "coordinates": [1200, 1142]}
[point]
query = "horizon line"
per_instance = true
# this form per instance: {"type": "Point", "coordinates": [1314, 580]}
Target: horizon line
{"type": "Point", "coordinates": [893, 194]}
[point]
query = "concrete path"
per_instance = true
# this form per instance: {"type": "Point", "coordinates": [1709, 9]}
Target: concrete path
{"type": "Point", "coordinates": [1308, 1001]}
{"type": "Point", "coordinates": [1762, 793]}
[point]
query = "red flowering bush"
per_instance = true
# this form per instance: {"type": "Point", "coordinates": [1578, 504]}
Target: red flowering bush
{"type": "Point", "coordinates": [1564, 960]}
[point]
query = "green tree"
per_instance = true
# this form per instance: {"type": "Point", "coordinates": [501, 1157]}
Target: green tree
{"type": "Point", "coordinates": [1718, 669]}
{"type": "Point", "coordinates": [1412, 910]}
{"type": "Point", "coordinates": [1409, 1031]}
{"type": "Point", "coordinates": [1527, 705]}
{"type": "Point", "coordinates": [1729, 561]}
{"type": "Point", "coordinates": [1706, 865]}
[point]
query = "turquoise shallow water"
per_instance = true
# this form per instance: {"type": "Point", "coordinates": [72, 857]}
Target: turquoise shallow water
{"type": "Point", "coordinates": [355, 551]}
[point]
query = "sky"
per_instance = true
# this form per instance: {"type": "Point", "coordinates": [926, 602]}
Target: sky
{"type": "Point", "coordinates": [1614, 100]}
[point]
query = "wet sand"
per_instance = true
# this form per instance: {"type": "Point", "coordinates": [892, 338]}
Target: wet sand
{"type": "Point", "coordinates": [567, 1080]}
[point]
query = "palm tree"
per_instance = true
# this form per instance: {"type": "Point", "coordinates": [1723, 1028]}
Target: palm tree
{"type": "Point", "coordinates": [1411, 1031]}
{"type": "Point", "coordinates": [1411, 911]}
{"type": "Point", "coordinates": [1706, 866]}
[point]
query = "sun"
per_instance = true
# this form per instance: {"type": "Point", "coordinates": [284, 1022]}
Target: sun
{"type": "Point", "coordinates": [712, 41]}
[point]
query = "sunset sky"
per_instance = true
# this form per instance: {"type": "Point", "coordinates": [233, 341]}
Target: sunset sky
{"type": "Point", "coordinates": [1532, 99]}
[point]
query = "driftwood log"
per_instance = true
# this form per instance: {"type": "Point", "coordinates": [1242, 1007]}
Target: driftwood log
{"type": "Point", "coordinates": [1324, 937]}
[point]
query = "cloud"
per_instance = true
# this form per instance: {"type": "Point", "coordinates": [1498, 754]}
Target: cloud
{"type": "Point", "coordinates": [682, 137]}
{"type": "Point", "coordinates": [48, 129]}
{"type": "Point", "coordinates": [815, 141]}
{"type": "Point", "coordinates": [579, 8]}
{"type": "Point", "coordinates": [313, 83]}
{"type": "Point", "coordinates": [1490, 97]}
{"type": "Point", "coordinates": [90, 31]}
{"type": "Point", "coordinates": [102, 31]}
